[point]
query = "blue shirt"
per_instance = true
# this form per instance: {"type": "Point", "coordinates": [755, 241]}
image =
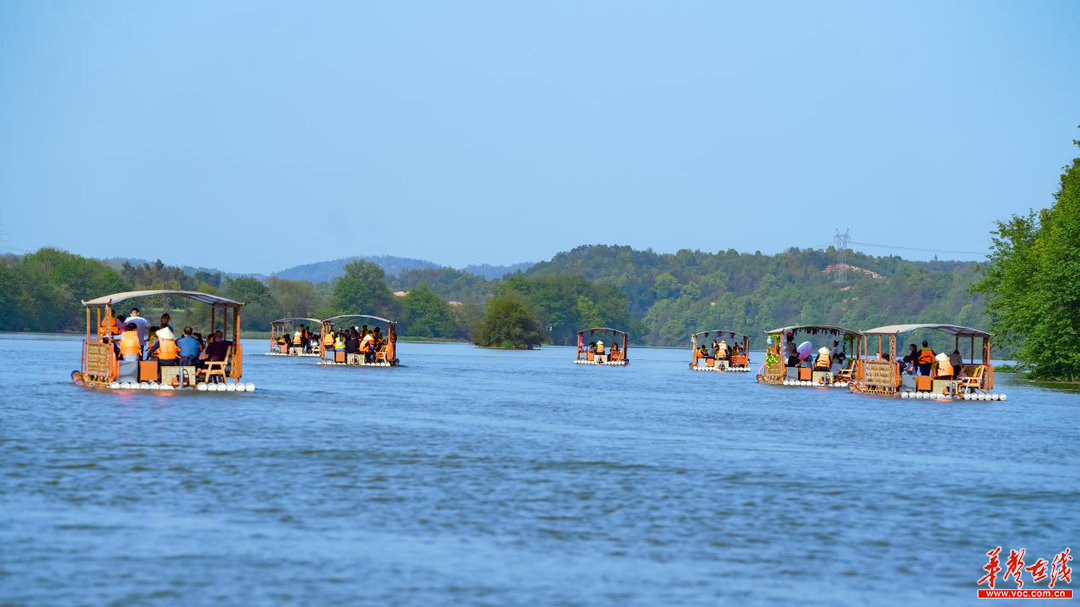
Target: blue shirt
{"type": "Point", "coordinates": [189, 346]}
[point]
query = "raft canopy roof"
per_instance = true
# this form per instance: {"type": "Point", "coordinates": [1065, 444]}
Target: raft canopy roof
{"type": "Point", "coordinates": [815, 329]}
{"type": "Point", "coordinates": [205, 298]}
{"type": "Point", "coordinates": [608, 329]}
{"type": "Point", "coordinates": [343, 316]}
{"type": "Point", "coordinates": [720, 332]}
{"type": "Point", "coordinates": [956, 330]}
{"type": "Point", "coordinates": [285, 320]}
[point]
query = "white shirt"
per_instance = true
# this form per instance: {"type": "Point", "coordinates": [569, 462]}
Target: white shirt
{"type": "Point", "coordinates": [140, 325]}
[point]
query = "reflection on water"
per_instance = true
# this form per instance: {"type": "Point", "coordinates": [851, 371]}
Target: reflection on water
{"type": "Point", "coordinates": [515, 478]}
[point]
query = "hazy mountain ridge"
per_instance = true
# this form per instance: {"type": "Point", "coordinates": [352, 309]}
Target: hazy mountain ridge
{"type": "Point", "coordinates": [118, 262]}
{"type": "Point", "coordinates": [321, 271]}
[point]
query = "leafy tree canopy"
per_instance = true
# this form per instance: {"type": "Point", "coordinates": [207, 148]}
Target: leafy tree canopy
{"type": "Point", "coordinates": [363, 290]}
{"type": "Point", "coordinates": [425, 315]}
{"type": "Point", "coordinates": [509, 322]}
{"type": "Point", "coordinates": [1034, 293]}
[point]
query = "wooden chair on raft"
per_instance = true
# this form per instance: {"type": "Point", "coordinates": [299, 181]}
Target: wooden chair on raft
{"type": "Point", "coordinates": [846, 373]}
{"type": "Point", "coordinates": [215, 368]}
{"type": "Point", "coordinates": [972, 383]}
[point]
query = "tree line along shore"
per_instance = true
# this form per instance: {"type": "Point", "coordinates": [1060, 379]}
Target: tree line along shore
{"type": "Point", "coordinates": [1027, 292]}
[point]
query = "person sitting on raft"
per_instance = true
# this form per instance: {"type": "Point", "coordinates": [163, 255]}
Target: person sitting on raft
{"type": "Point", "coordinates": [189, 348]}
{"type": "Point", "coordinates": [614, 350]}
{"type": "Point", "coordinates": [130, 347]}
{"type": "Point", "coordinates": [367, 345]}
{"type": "Point", "coordinates": [822, 363]}
{"type": "Point", "coordinates": [130, 352]}
{"type": "Point", "coordinates": [722, 351]}
{"type": "Point", "coordinates": [792, 355]}
{"type": "Point", "coordinates": [218, 348]}
{"type": "Point", "coordinates": [114, 330]}
{"type": "Point", "coordinates": [152, 339]}
{"type": "Point", "coordinates": [601, 357]}
{"type": "Point", "coordinates": [339, 346]}
{"type": "Point", "coordinates": [168, 353]}
{"type": "Point", "coordinates": [838, 362]}
{"type": "Point", "coordinates": [911, 359]}
{"type": "Point", "coordinates": [944, 368]}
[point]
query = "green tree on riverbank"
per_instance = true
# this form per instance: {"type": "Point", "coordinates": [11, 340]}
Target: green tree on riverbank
{"type": "Point", "coordinates": [1033, 285]}
{"type": "Point", "coordinates": [363, 290]}
{"type": "Point", "coordinates": [43, 291]}
{"type": "Point", "coordinates": [509, 322]}
{"type": "Point", "coordinates": [425, 315]}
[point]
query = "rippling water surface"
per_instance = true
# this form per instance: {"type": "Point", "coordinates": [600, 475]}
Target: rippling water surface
{"type": "Point", "coordinates": [475, 477]}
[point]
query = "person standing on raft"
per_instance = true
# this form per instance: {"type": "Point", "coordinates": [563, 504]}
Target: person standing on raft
{"type": "Point", "coordinates": [926, 359]}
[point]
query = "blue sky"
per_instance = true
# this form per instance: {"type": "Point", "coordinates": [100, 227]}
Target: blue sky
{"type": "Point", "coordinates": [255, 136]}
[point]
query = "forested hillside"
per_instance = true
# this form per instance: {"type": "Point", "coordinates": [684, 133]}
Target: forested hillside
{"type": "Point", "coordinates": [670, 296]}
{"type": "Point", "coordinates": [659, 298]}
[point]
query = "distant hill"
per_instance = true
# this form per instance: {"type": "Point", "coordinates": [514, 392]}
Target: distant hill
{"type": "Point", "coordinates": [393, 266]}
{"type": "Point", "coordinates": [491, 272]}
{"type": "Point", "coordinates": [118, 262]}
{"type": "Point", "coordinates": [321, 271]}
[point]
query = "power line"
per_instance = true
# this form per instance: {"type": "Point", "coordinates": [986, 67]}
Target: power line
{"type": "Point", "coordinates": [886, 246]}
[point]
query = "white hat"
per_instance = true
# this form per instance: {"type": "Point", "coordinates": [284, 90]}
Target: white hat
{"type": "Point", "coordinates": [942, 357]}
{"type": "Point", "coordinates": [165, 333]}
{"type": "Point", "coordinates": [599, 343]}
{"type": "Point", "coordinates": [823, 350]}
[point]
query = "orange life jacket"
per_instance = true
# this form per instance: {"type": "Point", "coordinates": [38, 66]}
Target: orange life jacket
{"type": "Point", "coordinates": [822, 362]}
{"type": "Point", "coordinates": [129, 343]}
{"type": "Point", "coordinates": [926, 356]}
{"type": "Point", "coordinates": [113, 330]}
{"type": "Point", "coordinates": [167, 350]}
{"type": "Point", "coordinates": [944, 367]}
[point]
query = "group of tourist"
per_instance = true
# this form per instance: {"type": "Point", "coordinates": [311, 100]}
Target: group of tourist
{"type": "Point", "coordinates": [303, 339]}
{"type": "Point", "coordinates": [720, 350]}
{"type": "Point", "coordinates": [602, 354]}
{"type": "Point", "coordinates": [827, 359]}
{"type": "Point", "coordinates": [355, 344]}
{"type": "Point", "coordinates": [136, 339]}
{"type": "Point", "coordinates": [924, 361]}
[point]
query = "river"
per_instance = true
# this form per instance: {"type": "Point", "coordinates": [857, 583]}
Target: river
{"type": "Point", "coordinates": [481, 477]}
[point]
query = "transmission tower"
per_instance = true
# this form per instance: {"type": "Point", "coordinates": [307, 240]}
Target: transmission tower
{"type": "Point", "coordinates": [841, 241]}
